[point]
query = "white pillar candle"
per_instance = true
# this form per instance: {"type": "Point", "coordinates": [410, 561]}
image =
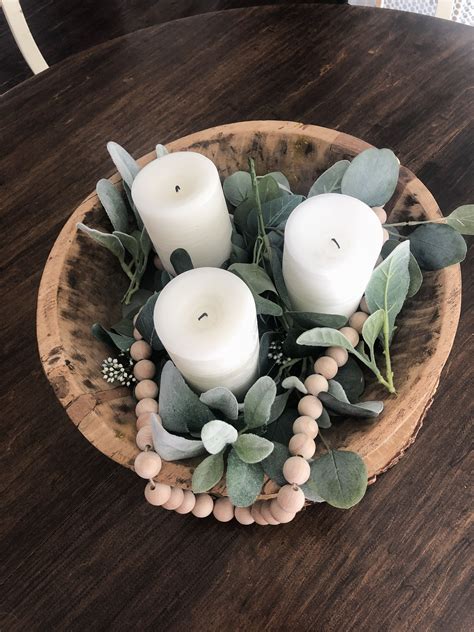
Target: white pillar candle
{"type": "Point", "coordinates": [207, 321]}
{"type": "Point", "coordinates": [180, 200]}
{"type": "Point", "coordinates": [332, 242]}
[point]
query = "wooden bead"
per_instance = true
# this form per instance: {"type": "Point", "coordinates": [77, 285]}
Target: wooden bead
{"type": "Point", "coordinates": [146, 405]}
{"type": "Point", "coordinates": [144, 420]}
{"type": "Point", "coordinates": [357, 321]}
{"type": "Point", "coordinates": [306, 425]}
{"type": "Point", "coordinates": [302, 445]}
{"type": "Point", "coordinates": [147, 464]}
{"type": "Point", "coordinates": [157, 263]}
{"type": "Point", "coordinates": [290, 498]}
{"type": "Point", "coordinates": [140, 350]}
{"type": "Point", "coordinates": [157, 494]}
{"type": "Point", "coordinates": [363, 307]}
{"type": "Point", "coordinates": [243, 515]}
{"type": "Point", "coordinates": [386, 235]}
{"type": "Point", "coordinates": [145, 389]}
{"type": "Point", "coordinates": [188, 503]}
{"type": "Point", "coordinates": [223, 510]}
{"type": "Point", "coordinates": [326, 366]}
{"type": "Point", "coordinates": [144, 438]}
{"type": "Point", "coordinates": [203, 506]}
{"type": "Point", "coordinates": [381, 214]}
{"type": "Point", "coordinates": [296, 470]}
{"type": "Point", "coordinates": [175, 499]}
{"type": "Point", "coordinates": [311, 406]}
{"type": "Point", "coordinates": [137, 335]}
{"type": "Point", "coordinates": [339, 354]}
{"type": "Point", "coordinates": [351, 334]}
{"type": "Point", "coordinates": [280, 514]}
{"type": "Point", "coordinates": [316, 384]}
{"type": "Point", "coordinates": [144, 370]}
{"type": "Point", "coordinates": [256, 514]}
{"type": "Point", "coordinates": [267, 514]}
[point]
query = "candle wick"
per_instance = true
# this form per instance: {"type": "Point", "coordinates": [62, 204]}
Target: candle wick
{"type": "Point", "coordinates": [177, 188]}
{"type": "Point", "coordinates": [203, 315]}
{"type": "Point", "coordinates": [332, 239]}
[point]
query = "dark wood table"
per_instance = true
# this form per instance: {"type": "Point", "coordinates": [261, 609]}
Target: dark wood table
{"type": "Point", "coordinates": [81, 549]}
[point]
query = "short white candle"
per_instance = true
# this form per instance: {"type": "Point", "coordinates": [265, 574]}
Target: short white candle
{"type": "Point", "coordinates": [180, 200]}
{"type": "Point", "coordinates": [332, 242]}
{"type": "Point", "coordinates": [207, 321]}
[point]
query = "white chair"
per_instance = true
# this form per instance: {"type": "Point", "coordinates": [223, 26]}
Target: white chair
{"type": "Point", "coordinates": [22, 34]}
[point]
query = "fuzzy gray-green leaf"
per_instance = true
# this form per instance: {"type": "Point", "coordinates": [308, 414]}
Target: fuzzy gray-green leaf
{"type": "Point", "coordinates": [308, 320]}
{"type": "Point", "coordinates": [161, 150]}
{"type": "Point", "coordinates": [327, 337]}
{"type": "Point", "coordinates": [258, 402]}
{"type": "Point", "coordinates": [294, 382]}
{"type": "Point", "coordinates": [111, 242]}
{"type": "Point", "coordinates": [362, 410]}
{"type": "Point", "coordinates": [208, 473]}
{"type": "Point", "coordinates": [252, 449]}
{"type": "Point", "coordinates": [216, 434]}
{"type": "Point", "coordinates": [181, 260]}
{"type": "Point", "coordinates": [274, 462]}
{"type": "Point", "coordinates": [113, 204]}
{"type": "Point", "coordinates": [126, 165]}
{"type": "Point", "coordinates": [340, 478]}
{"type": "Point", "coordinates": [171, 447]}
{"type": "Point", "coordinates": [372, 176]}
{"type": "Point", "coordinates": [243, 480]}
{"type": "Point", "coordinates": [266, 307]}
{"type": "Point", "coordinates": [222, 399]}
{"type": "Point", "coordinates": [146, 325]}
{"type": "Point", "coordinates": [129, 243]}
{"type": "Point", "coordinates": [372, 327]}
{"type": "Point", "coordinates": [330, 180]}
{"type": "Point", "coordinates": [237, 187]}
{"type": "Point", "coordinates": [254, 276]}
{"type": "Point", "coordinates": [416, 276]}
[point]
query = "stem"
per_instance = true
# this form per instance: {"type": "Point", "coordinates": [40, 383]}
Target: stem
{"type": "Point", "coordinates": [326, 444]}
{"type": "Point", "coordinates": [397, 235]}
{"type": "Point", "coordinates": [386, 352]}
{"type": "Point", "coordinates": [424, 221]}
{"type": "Point", "coordinates": [261, 223]}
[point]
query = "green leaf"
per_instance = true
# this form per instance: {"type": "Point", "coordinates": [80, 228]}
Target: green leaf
{"type": "Point", "coordinates": [116, 340]}
{"type": "Point", "coordinates": [138, 299]}
{"type": "Point", "coordinates": [309, 490]}
{"type": "Point", "coordinates": [244, 481]}
{"type": "Point", "coordinates": [388, 285]}
{"type": "Point", "coordinates": [326, 337]}
{"type": "Point", "coordinates": [111, 242]}
{"type": "Point", "coordinates": [222, 399]}
{"type": "Point", "coordinates": [363, 410]}
{"type": "Point", "coordinates": [281, 430]}
{"type": "Point", "coordinates": [145, 245]}
{"type": "Point", "coordinates": [279, 406]}
{"type": "Point", "coordinates": [171, 447]}
{"type": "Point", "coordinates": [136, 214]}
{"type": "Point", "coordinates": [278, 279]}
{"type": "Point", "coordinates": [263, 359]}
{"type": "Point", "coordinates": [351, 378]}
{"type": "Point", "coordinates": [146, 325]}
{"type": "Point", "coordinates": [275, 212]}
{"type": "Point", "coordinates": [113, 204]}
{"type": "Point", "coordinates": [237, 187]}
{"type": "Point", "coordinates": [124, 327]}
{"type": "Point", "coordinates": [337, 391]}
{"type": "Point", "coordinates": [340, 478]}
{"type": "Point", "coordinates": [294, 382]}
{"type": "Point", "coordinates": [129, 243]}
{"type": "Point", "coordinates": [324, 421]}
{"type": "Point", "coordinates": [281, 179]}
{"type": "Point", "coordinates": [208, 473]}
{"type": "Point", "coordinates": [268, 190]}
{"type": "Point", "coordinates": [308, 320]}
{"type": "Point", "coordinates": [126, 165]}
{"type": "Point", "coordinates": [181, 261]}
{"type": "Point", "coordinates": [252, 449]}
{"type": "Point", "coordinates": [437, 246]}
{"type": "Point", "coordinates": [462, 219]}
{"type": "Point", "coordinates": [372, 176]}
{"type": "Point", "coordinates": [258, 402]}
{"type": "Point", "coordinates": [330, 180]}
{"type": "Point", "coordinates": [254, 276]}
{"type": "Point", "coordinates": [161, 151]}
{"type": "Point", "coordinates": [180, 407]}
{"type": "Point", "coordinates": [239, 255]}
{"type": "Point", "coordinates": [372, 328]}
{"type": "Point", "coordinates": [274, 462]}
{"type": "Point", "coordinates": [266, 307]}
{"type": "Point", "coordinates": [216, 434]}
{"type": "Point", "coordinates": [416, 277]}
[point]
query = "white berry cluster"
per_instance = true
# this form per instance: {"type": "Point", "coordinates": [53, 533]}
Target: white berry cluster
{"type": "Point", "coordinates": [118, 370]}
{"type": "Point", "coordinates": [275, 353]}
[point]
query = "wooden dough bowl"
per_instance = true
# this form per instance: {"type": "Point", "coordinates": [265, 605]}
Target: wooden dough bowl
{"type": "Point", "coordinates": [82, 284]}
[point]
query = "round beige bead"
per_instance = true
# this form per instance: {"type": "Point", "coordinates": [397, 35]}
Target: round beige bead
{"type": "Point", "coordinates": [326, 366]}
{"type": "Point", "coordinates": [144, 420]}
{"type": "Point", "coordinates": [146, 405]}
{"type": "Point", "coordinates": [147, 464]}
{"type": "Point", "coordinates": [267, 514]}
{"type": "Point", "coordinates": [145, 389]}
{"type": "Point", "coordinates": [256, 513]}
{"type": "Point", "coordinates": [175, 499]}
{"type": "Point", "coordinates": [157, 494]}
{"type": "Point", "coordinates": [357, 320]}
{"type": "Point", "coordinates": [223, 510]}
{"type": "Point", "coordinates": [280, 514]}
{"type": "Point", "coordinates": [137, 335]}
{"type": "Point", "coordinates": [203, 506]}
{"type": "Point", "coordinates": [296, 470]}
{"type": "Point", "coordinates": [144, 438]}
{"type": "Point", "coordinates": [363, 305]}
{"type": "Point", "coordinates": [306, 425]}
{"type": "Point", "coordinates": [188, 503]}
{"type": "Point", "coordinates": [144, 370]}
{"type": "Point", "coordinates": [386, 235]}
{"type": "Point", "coordinates": [290, 498]}
{"type": "Point", "coordinates": [311, 406]}
{"type": "Point", "coordinates": [140, 350]}
{"type": "Point", "coordinates": [339, 354]}
{"type": "Point", "coordinates": [381, 214]}
{"type": "Point", "coordinates": [302, 445]}
{"type": "Point", "coordinates": [351, 334]}
{"type": "Point", "coordinates": [316, 384]}
{"type": "Point", "coordinates": [243, 515]}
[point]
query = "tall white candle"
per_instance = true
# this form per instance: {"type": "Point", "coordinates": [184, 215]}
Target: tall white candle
{"type": "Point", "coordinates": [180, 200]}
{"type": "Point", "coordinates": [332, 242]}
{"type": "Point", "coordinates": [207, 321]}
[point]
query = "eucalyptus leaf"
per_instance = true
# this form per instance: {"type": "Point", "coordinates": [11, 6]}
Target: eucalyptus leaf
{"type": "Point", "coordinates": [330, 180]}
{"type": "Point", "coordinates": [281, 179]}
{"type": "Point", "coordinates": [208, 473]}
{"type": "Point", "coordinates": [216, 434]}
{"type": "Point", "coordinates": [308, 320]}
{"type": "Point", "coordinates": [138, 299]}
{"type": "Point", "coordinates": [124, 327]}
{"type": "Point", "coordinates": [113, 204]}
{"type": "Point", "coordinates": [254, 276]}
{"type": "Point", "coordinates": [243, 480]}
{"type": "Point", "coordinates": [372, 176]}
{"type": "Point", "coordinates": [281, 430]}
{"type": "Point", "coordinates": [279, 406]}
{"type": "Point", "coordinates": [309, 491]}
{"type": "Point", "coordinates": [363, 410]}
{"type": "Point", "coordinates": [324, 421]}
{"type": "Point", "coordinates": [129, 243]}
{"type": "Point", "coordinates": [171, 447]}
{"type": "Point", "coordinates": [180, 407]}
{"type": "Point", "coordinates": [274, 462]}
{"type": "Point", "coordinates": [339, 477]}
{"type": "Point", "coordinates": [462, 219]}
{"type": "Point", "coordinates": [268, 190]}
{"type": "Point", "coordinates": [416, 276]}
{"type": "Point", "coordinates": [275, 212]}
{"type": "Point", "coordinates": [222, 399]}
{"type": "Point", "coordinates": [181, 261]}
{"type": "Point", "coordinates": [337, 391]}
{"type": "Point", "coordinates": [372, 328]}
{"type": "Point", "coordinates": [252, 449]}
{"type": "Point", "coordinates": [146, 325]}
{"type": "Point", "coordinates": [351, 378]}
{"type": "Point", "coordinates": [161, 151]}
{"type": "Point", "coordinates": [266, 307]}
{"type": "Point", "coordinates": [294, 382]}
{"type": "Point", "coordinates": [237, 187]}
{"type": "Point", "coordinates": [436, 246]}
{"type": "Point", "coordinates": [126, 165]}
{"type": "Point", "coordinates": [117, 340]}
{"type": "Point", "coordinates": [278, 279]}
{"type": "Point", "coordinates": [111, 242]}
{"type": "Point", "coordinates": [258, 402]}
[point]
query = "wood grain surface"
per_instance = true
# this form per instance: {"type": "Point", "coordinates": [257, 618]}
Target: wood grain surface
{"type": "Point", "coordinates": [81, 550]}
